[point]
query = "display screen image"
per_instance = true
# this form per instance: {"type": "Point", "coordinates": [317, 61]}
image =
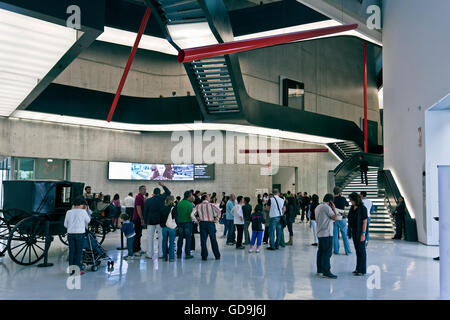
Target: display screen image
{"type": "Point", "coordinates": [146, 171]}
{"type": "Point", "coordinates": [157, 172]}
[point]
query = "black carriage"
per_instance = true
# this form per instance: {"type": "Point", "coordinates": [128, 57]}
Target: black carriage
{"type": "Point", "coordinates": [34, 212]}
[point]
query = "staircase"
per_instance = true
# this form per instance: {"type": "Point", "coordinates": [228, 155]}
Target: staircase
{"type": "Point", "coordinates": [213, 84]}
{"type": "Point", "coordinates": [345, 149]}
{"type": "Point", "coordinates": [381, 224]}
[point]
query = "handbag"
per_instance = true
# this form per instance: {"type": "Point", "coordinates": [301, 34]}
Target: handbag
{"type": "Point", "coordinates": [170, 223]}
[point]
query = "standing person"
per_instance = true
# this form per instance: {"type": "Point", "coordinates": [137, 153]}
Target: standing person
{"type": "Point", "coordinates": [305, 205]}
{"type": "Point", "coordinates": [196, 201]}
{"type": "Point", "coordinates": [88, 194]}
{"type": "Point", "coordinates": [128, 203]}
{"type": "Point", "coordinates": [117, 211]}
{"type": "Point", "coordinates": [138, 220]}
{"type": "Point", "coordinates": [207, 215]}
{"type": "Point", "coordinates": [266, 210]}
{"type": "Point", "coordinates": [369, 206]}
{"type": "Point", "coordinates": [126, 226]}
{"type": "Point", "coordinates": [153, 214]}
{"type": "Point", "coordinates": [184, 222]}
{"type": "Point", "coordinates": [76, 222]}
{"type": "Point", "coordinates": [357, 217]}
{"type": "Point", "coordinates": [214, 198]}
{"type": "Point", "coordinates": [325, 216]}
{"type": "Point", "coordinates": [257, 227]}
{"type": "Point", "coordinates": [178, 199]}
{"type": "Point", "coordinates": [399, 215]}
{"type": "Point", "coordinates": [247, 211]}
{"type": "Point", "coordinates": [239, 221]}
{"type": "Point", "coordinates": [363, 167]}
{"type": "Point", "coordinates": [276, 210]}
{"type": "Point", "coordinates": [341, 222]}
{"type": "Point", "coordinates": [312, 218]}
{"type": "Point", "coordinates": [231, 237]}
{"type": "Point", "coordinates": [168, 228]}
{"type": "Point", "coordinates": [223, 208]}
{"type": "Point", "coordinates": [290, 218]}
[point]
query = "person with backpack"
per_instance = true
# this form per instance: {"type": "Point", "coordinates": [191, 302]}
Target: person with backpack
{"type": "Point", "coordinates": [168, 225]}
{"type": "Point", "coordinates": [258, 226]}
{"type": "Point", "coordinates": [152, 216]}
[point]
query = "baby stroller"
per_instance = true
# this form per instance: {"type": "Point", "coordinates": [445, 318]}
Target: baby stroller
{"type": "Point", "coordinates": [93, 253]}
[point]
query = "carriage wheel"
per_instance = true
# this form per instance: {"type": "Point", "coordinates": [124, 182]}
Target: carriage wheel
{"type": "Point", "coordinates": [4, 233]}
{"type": "Point", "coordinates": [64, 239]}
{"type": "Point", "coordinates": [99, 230]}
{"type": "Point", "coordinates": [26, 245]}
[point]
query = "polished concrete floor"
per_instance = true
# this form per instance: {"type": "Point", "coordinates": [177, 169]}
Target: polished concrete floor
{"type": "Point", "coordinates": [407, 271]}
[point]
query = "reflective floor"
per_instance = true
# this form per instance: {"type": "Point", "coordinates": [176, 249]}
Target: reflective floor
{"type": "Point", "coordinates": [406, 271]}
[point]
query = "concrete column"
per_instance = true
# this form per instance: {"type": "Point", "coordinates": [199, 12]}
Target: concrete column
{"type": "Point", "coordinates": [444, 230]}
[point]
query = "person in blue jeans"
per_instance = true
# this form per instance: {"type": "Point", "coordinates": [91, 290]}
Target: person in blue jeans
{"type": "Point", "coordinates": [341, 223]}
{"type": "Point", "coordinates": [127, 228]}
{"type": "Point", "coordinates": [168, 233]}
{"type": "Point", "coordinates": [231, 236]}
{"type": "Point", "coordinates": [277, 209]}
{"type": "Point", "coordinates": [76, 221]}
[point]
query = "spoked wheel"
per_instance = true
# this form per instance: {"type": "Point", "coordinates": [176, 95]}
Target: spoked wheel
{"type": "Point", "coordinates": [26, 241]}
{"type": "Point", "coordinates": [4, 233]}
{"type": "Point", "coordinates": [99, 230]}
{"type": "Point", "coordinates": [64, 239]}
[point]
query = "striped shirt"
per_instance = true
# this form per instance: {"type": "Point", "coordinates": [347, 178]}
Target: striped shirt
{"type": "Point", "coordinates": [207, 211]}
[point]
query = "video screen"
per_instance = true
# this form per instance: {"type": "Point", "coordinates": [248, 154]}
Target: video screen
{"type": "Point", "coordinates": [150, 172]}
{"type": "Point", "coordinates": [203, 172]}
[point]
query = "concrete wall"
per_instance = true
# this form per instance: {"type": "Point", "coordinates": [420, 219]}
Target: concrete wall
{"type": "Point", "coordinates": [89, 150]}
{"type": "Point", "coordinates": [416, 75]}
{"type": "Point", "coordinates": [331, 69]}
{"type": "Point", "coordinates": [285, 177]}
{"type": "Point", "coordinates": [152, 74]}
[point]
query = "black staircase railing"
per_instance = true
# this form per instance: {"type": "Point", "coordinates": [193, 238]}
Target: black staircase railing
{"type": "Point", "coordinates": [387, 181]}
{"type": "Point", "coordinates": [349, 165]}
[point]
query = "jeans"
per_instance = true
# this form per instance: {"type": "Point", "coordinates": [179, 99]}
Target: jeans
{"type": "Point", "coordinates": [266, 234]}
{"type": "Point", "coordinates": [240, 233]}
{"type": "Point", "coordinates": [208, 229]}
{"type": "Point", "coordinates": [313, 225]}
{"type": "Point", "coordinates": [364, 176]}
{"type": "Point", "coordinates": [324, 254]}
{"type": "Point", "coordinates": [185, 232]}
{"type": "Point", "coordinates": [168, 243]}
{"type": "Point", "coordinates": [361, 257]}
{"type": "Point", "coordinates": [231, 237]}
{"type": "Point", "coordinates": [289, 226]}
{"type": "Point", "coordinates": [342, 226]}
{"type": "Point", "coordinates": [130, 245]}
{"type": "Point", "coordinates": [256, 236]}
{"type": "Point", "coordinates": [151, 237]}
{"type": "Point", "coordinates": [194, 227]}
{"type": "Point", "coordinates": [225, 227]}
{"type": "Point", "coordinates": [76, 244]}
{"type": "Point", "coordinates": [367, 230]}
{"type": "Point", "coordinates": [275, 224]}
{"type": "Point", "coordinates": [246, 233]}
{"type": "Point", "coordinates": [137, 236]}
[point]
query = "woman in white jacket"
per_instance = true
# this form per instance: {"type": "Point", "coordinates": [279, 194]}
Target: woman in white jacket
{"type": "Point", "coordinates": [239, 221]}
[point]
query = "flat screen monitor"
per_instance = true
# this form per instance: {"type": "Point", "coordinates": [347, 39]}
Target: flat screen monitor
{"type": "Point", "coordinates": [156, 172]}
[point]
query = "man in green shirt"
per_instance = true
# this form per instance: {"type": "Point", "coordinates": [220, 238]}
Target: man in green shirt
{"type": "Point", "coordinates": [184, 210]}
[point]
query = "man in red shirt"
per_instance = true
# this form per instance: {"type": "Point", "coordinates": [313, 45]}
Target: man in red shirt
{"type": "Point", "coordinates": [207, 215]}
{"type": "Point", "coordinates": [138, 220]}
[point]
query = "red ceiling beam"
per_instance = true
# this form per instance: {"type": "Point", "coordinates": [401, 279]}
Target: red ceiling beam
{"type": "Point", "coordinates": [220, 49]}
{"type": "Point", "coordinates": [321, 150]}
{"type": "Point", "coordinates": [129, 62]}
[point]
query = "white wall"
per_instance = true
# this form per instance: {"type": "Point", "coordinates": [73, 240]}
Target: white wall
{"type": "Point", "coordinates": [437, 142]}
{"type": "Point", "coordinates": [416, 65]}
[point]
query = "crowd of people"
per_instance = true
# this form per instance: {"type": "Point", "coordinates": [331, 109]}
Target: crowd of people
{"type": "Point", "coordinates": [166, 217]}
